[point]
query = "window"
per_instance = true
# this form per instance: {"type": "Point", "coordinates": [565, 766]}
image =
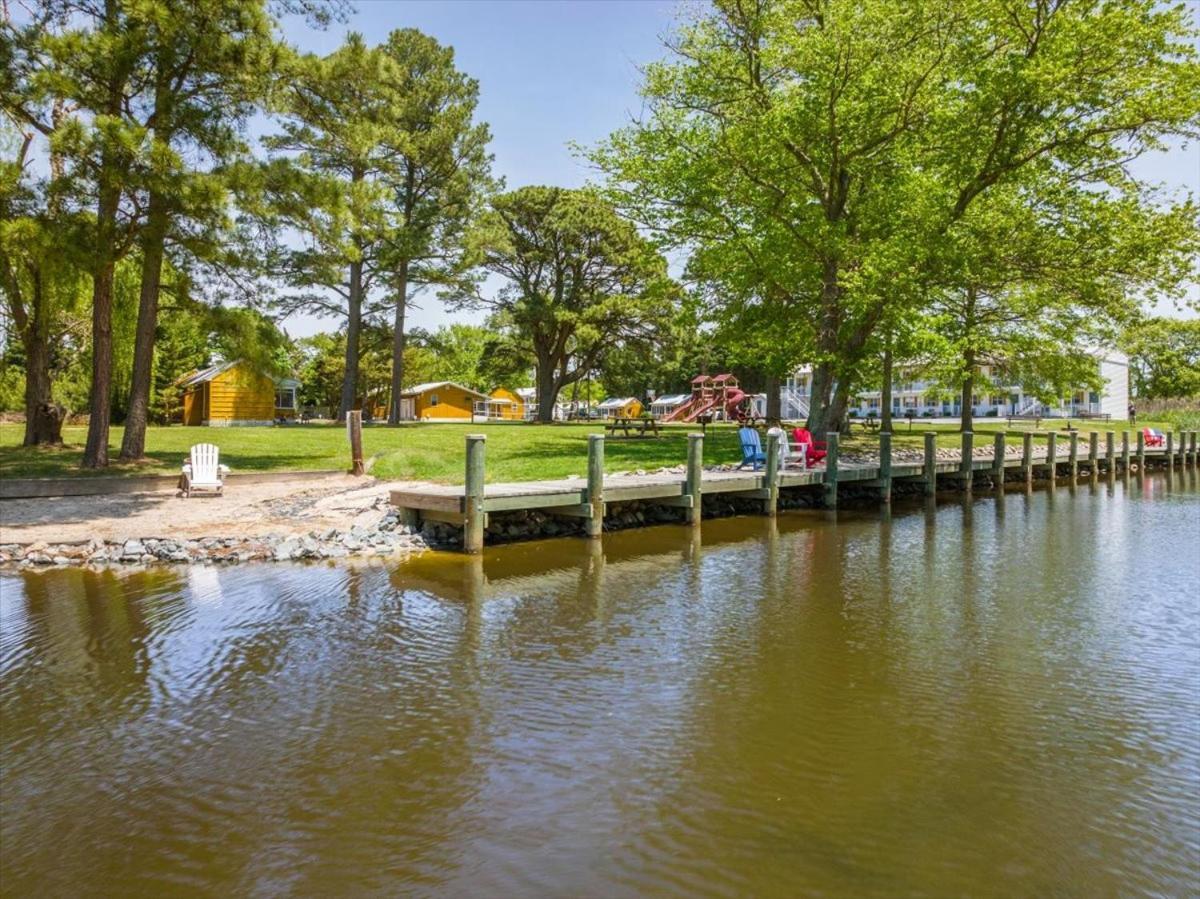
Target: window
{"type": "Point", "coordinates": [285, 397]}
{"type": "Point", "coordinates": [433, 399]}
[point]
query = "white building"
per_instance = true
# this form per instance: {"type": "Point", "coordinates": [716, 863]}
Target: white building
{"type": "Point", "coordinates": [994, 397]}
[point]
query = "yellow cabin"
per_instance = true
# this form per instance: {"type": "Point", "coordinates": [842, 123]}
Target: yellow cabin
{"type": "Point", "coordinates": [506, 405]}
{"type": "Point", "coordinates": [232, 394]}
{"type": "Point", "coordinates": [439, 401]}
{"type": "Point", "coordinates": [621, 407]}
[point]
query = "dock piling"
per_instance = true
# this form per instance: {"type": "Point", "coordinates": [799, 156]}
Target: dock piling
{"type": "Point", "coordinates": [998, 461]}
{"type": "Point", "coordinates": [1027, 457]}
{"type": "Point", "coordinates": [831, 469]}
{"type": "Point", "coordinates": [930, 463]}
{"type": "Point", "coordinates": [594, 524]}
{"type": "Point", "coordinates": [1141, 451]}
{"type": "Point", "coordinates": [1125, 451]}
{"type": "Point", "coordinates": [474, 519]}
{"type": "Point", "coordinates": [1170, 451]}
{"type": "Point", "coordinates": [1073, 455]}
{"type": "Point", "coordinates": [1094, 452]}
{"type": "Point", "coordinates": [695, 472]}
{"type": "Point", "coordinates": [771, 475]}
{"type": "Point", "coordinates": [885, 466]}
{"type": "Point", "coordinates": [1110, 450]}
{"type": "Point", "coordinates": [1052, 454]}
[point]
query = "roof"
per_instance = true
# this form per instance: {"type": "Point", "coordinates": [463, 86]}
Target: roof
{"type": "Point", "coordinates": [434, 385]}
{"type": "Point", "coordinates": [674, 399]}
{"type": "Point", "coordinates": [526, 393]}
{"type": "Point", "coordinates": [616, 402]}
{"type": "Point", "coordinates": [207, 374]}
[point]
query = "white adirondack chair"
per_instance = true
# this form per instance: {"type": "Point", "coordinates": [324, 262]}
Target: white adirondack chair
{"type": "Point", "coordinates": [788, 454]}
{"type": "Point", "coordinates": [204, 472]}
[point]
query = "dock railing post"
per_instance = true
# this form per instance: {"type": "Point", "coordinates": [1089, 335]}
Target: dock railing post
{"type": "Point", "coordinates": [1110, 450]}
{"type": "Point", "coordinates": [1192, 443]}
{"type": "Point", "coordinates": [930, 463]}
{"type": "Point", "coordinates": [594, 525]}
{"type": "Point", "coordinates": [1141, 451]}
{"type": "Point", "coordinates": [1094, 451]}
{"type": "Point", "coordinates": [1052, 454]}
{"type": "Point", "coordinates": [998, 459]}
{"type": "Point", "coordinates": [831, 469]}
{"type": "Point", "coordinates": [1125, 451]}
{"type": "Point", "coordinates": [966, 467]}
{"type": "Point", "coordinates": [473, 499]}
{"type": "Point", "coordinates": [885, 466]}
{"type": "Point", "coordinates": [695, 475]}
{"type": "Point", "coordinates": [1073, 455]}
{"type": "Point", "coordinates": [1170, 451]}
{"type": "Point", "coordinates": [771, 475]}
{"type": "Point", "coordinates": [1027, 457]}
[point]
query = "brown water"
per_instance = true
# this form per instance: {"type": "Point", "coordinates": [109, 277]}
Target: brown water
{"type": "Point", "coordinates": [985, 699]}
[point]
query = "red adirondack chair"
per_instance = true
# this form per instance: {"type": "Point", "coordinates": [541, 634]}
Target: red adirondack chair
{"type": "Point", "coordinates": [816, 448]}
{"type": "Point", "coordinates": [1152, 437]}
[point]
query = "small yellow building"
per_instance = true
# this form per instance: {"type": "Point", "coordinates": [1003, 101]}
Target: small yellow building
{"type": "Point", "coordinates": [621, 407]}
{"type": "Point", "coordinates": [439, 401]}
{"type": "Point", "coordinates": [232, 394]}
{"type": "Point", "coordinates": [505, 405]}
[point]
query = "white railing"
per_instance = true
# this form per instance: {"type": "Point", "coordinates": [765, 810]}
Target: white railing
{"type": "Point", "coordinates": [793, 404]}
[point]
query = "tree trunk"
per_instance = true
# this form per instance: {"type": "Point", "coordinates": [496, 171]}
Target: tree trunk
{"type": "Point", "coordinates": [353, 327]}
{"type": "Point", "coordinates": [95, 453]}
{"type": "Point", "coordinates": [547, 392]}
{"type": "Point", "coordinates": [838, 419]}
{"type": "Point", "coordinates": [967, 414]}
{"type": "Point", "coordinates": [398, 344]}
{"type": "Point", "coordinates": [774, 401]}
{"type": "Point", "coordinates": [133, 445]}
{"type": "Point", "coordinates": [885, 394]}
{"type": "Point", "coordinates": [43, 419]}
{"type": "Point", "coordinates": [820, 399]}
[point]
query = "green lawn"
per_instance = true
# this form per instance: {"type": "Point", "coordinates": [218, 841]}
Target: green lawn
{"type": "Point", "coordinates": [515, 452]}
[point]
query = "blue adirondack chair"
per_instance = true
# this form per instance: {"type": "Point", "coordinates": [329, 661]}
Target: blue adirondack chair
{"type": "Point", "coordinates": [752, 451]}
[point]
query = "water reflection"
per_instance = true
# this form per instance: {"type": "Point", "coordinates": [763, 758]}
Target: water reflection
{"type": "Point", "coordinates": [982, 697]}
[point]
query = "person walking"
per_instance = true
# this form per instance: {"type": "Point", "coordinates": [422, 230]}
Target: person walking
{"type": "Point", "coordinates": [1132, 414]}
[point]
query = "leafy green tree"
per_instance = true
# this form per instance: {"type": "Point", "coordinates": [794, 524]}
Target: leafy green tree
{"type": "Point", "coordinates": [579, 281]}
{"type": "Point", "coordinates": [441, 173]}
{"type": "Point", "coordinates": [208, 65]}
{"type": "Point", "coordinates": [815, 156]}
{"type": "Point", "coordinates": [459, 351]}
{"type": "Point", "coordinates": [1164, 357]}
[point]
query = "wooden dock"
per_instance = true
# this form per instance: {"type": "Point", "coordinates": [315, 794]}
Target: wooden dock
{"type": "Point", "coordinates": [469, 505]}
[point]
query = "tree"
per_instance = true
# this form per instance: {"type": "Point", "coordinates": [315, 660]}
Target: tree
{"type": "Point", "coordinates": [441, 173]}
{"type": "Point", "coordinates": [1164, 357]}
{"type": "Point", "coordinates": [579, 282]}
{"type": "Point", "coordinates": [814, 156]}
{"type": "Point", "coordinates": [208, 65]}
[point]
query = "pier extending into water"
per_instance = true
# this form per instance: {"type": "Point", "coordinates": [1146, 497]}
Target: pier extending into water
{"type": "Point", "coordinates": [469, 505]}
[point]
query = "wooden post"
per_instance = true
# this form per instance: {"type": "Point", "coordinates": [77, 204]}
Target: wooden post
{"type": "Point", "coordinates": [930, 463]}
{"type": "Point", "coordinates": [473, 500]}
{"type": "Point", "coordinates": [594, 526]}
{"type": "Point", "coordinates": [1170, 451]}
{"type": "Point", "coordinates": [695, 474]}
{"type": "Point", "coordinates": [1110, 450]}
{"type": "Point", "coordinates": [1125, 450]}
{"type": "Point", "coordinates": [1052, 454]}
{"type": "Point", "coordinates": [1192, 443]}
{"type": "Point", "coordinates": [1141, 451]}
{"type": "Point", "coordinates": [771, 476]}
{"type": "Point", "coordinates": [1094, 451]}
{"type": "Point", "coordinates": [831, 469]}
{"type": "Point", "coordinates": [966, 467]}
{"type": "Point", "coordinates": [885, 466]}
{"type": "Point", "coordinates": [1027, 457]}
{"type": "Point", "coordinates": [998, 459]}
{"type": "Point", "coordinates": [354, 432]}
{"type": "Point", "coordinates": [1073, 454]}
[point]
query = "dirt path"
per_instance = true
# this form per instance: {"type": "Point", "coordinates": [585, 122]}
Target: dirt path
{"type": "Point", "coordinates": [279, 507]}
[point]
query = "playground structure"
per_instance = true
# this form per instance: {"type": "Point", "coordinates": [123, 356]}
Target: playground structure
{"type": "Point", "coordinates": [719, 396]}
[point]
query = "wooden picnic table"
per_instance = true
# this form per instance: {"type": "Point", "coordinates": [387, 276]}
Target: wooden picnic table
{"type": "Point", "coordinates": [640, 427]}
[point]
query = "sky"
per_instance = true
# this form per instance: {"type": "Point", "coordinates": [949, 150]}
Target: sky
{"type": "Point", "coordinates": [556, 72]}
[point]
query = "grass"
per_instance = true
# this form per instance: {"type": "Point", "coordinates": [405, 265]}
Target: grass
{"type": "Point", "coordinates": [515, 452]}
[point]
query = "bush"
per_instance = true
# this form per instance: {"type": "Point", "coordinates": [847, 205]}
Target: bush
{"type": "Point", "coordinates": [991, 413]}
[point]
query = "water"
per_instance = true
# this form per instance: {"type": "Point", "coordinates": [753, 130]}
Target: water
{"type": "Point", "coordinates": [986, 699]}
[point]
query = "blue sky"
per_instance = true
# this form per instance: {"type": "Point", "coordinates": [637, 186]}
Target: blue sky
{"type": "Point", "coordinates": [553, 72]}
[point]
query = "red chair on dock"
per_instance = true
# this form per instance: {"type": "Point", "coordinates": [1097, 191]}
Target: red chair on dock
{"type": "Point", "coordinates": [815, 449]}
{"type": "Point", "coordinates": [1151, 437]}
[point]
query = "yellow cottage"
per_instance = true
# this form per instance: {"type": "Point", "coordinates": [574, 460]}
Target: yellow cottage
{"type": "Point", "coordinates": [232, 394]}
{"type": "Point", "coordinates": [505, 405]}
{"type": "Point", "coordinates": [439, 401]}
